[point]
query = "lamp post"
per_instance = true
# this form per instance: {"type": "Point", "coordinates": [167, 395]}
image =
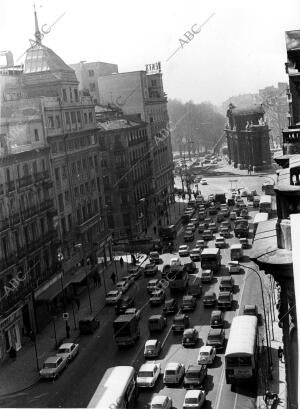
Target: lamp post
{"type": "Point", "coordinates": [270, 363]}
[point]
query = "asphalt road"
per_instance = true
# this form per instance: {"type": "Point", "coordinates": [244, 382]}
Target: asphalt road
{"type": "Point", "coordinates": [75, 387]}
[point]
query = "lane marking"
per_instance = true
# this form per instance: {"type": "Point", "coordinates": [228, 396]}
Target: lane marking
{"type": "Point", "coordinates": [166, 337]}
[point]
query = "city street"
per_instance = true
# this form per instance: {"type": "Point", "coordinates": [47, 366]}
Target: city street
{"type": "Point", "coordinates": [98, 352]}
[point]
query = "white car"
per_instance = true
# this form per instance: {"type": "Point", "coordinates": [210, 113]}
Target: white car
{"type": "Point", "coordinates": [194, 399]}
{"type": "Point", "coordinates": [200, 244]}
{"type": "Point", "coordinates": [134, 311]}
{"type": "Point", "coordinates": [191, 226]}
{"type": "Point", "coordinates": [233, 216]}
{"type": "Point", "coordinates": [175, 261]}
{"type": "Point", "coordinates": [53, 366]}
{"type": "Point", "coordinates": [122, 286]}
{"type": "Point", "coordinates": [183, 250]}
{"type": "Point", "coordinates": [206, 355]}
{"type": "Point", "coordinates": [174, 373]}
{"type": "Point", "coordinates": [161, 402]}
{"type": "Point", "coordinates": [148, 375]}
{"type": "Point", "coordinates": [220, 242]}
{"type": "Point", "coordinates": [195, 254]}
{"type": "Point", "coordinates": [152, 285]}
{"type": "Point", "coordinates": [113, 297]}
{"type": "Point", "coordinates": [203, 182]}
{"type": "Point", "coordinates": [68, 351]}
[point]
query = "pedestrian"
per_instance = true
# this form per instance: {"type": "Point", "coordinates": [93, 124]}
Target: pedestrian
{"type": "Point", "coordinates": [68, 329]}
{"type": "Point", "coordinates": [12, 352]}
{"type": "Point", "coordinates": [77, 301]}
{"type": "Point", "coordinates": [121, 262]}
{"type": "Point", "coordinates": [154, 229]}
{"type": "Point", "coordinates": [248, 169]}
{"type": "Point", "coordinates": [280, 353]}
{"type": "Point", "coordinates": [113, 277]}
{"type": "Point", "coordinates": [133, 259]}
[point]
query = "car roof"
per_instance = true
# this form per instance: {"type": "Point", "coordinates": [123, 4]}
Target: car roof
{"type": "Point", "coordinates": [52, 359]}
{"type": "Point", "coordinates": [172, 365]}
{"type": "Point", "coordinates": [169, 301]}
{"type": "Point", "coordinates": [67, 345]}
{"type": "Point", "coordinates": [236, 246]}
{"type": "Point", "coordinates": [215, 331]}
{"type": "Point", "coordinates": [154, 280]}
{"type": "Point", "coordinates": [216, 313]}
{"type": "Point", "coordinates": [148, 366]}
{"type": "Point", "coordinates": [187, 297]}
{"type": "Point", "coordinates": [193, 393]}
{"type": "Point", "coordinates": [155, 317]}
{"type": "Point", "coordinates": [183, 246]}
{"type": "Point", "coordinates": [226, 278]}
{"type": "Point", "coordinates": [205, 348]}
{"type": "Point", "coordinates": [113, 292]}
{"type": "Point", "coordinates": [210, 250]}
{"type": "Point", "coordinates": [194, 368]}
{"type": "Point", "coordinates": [151, 342]}
{"type": "Point", "coordinates": [250, 306]}
{"type": "Point", "coordinates": [158, 399]}
{"type": "Point", "coordinates": [188, 331]}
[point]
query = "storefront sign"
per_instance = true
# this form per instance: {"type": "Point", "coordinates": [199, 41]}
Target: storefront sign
{"type": "Point", "coordinates": [8, 320]}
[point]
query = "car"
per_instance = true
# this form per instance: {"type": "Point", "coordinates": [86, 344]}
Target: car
{"type": "Point", "coordinates": [190, 267]}
{"type": "Point", "coordinates": [148, 375]}
{"type": "Point", "coordinates": [201, 215]}
{"type": "Point", "coordinates": [206, 276]}
{"type": "Point", "coordinates": [88, 324]}
{"type": "Point", "coordinates": [190, 337]}
{"type": "Point", "coordinates": [129, 279]}
{"type": "Point", "coordinates": [161, 402]}
{"type": "Point", "coordinates": [150, 269]}
{"type": "Point", "coordinates": [224, 232]}
{"type": "Point", "coordinates": [154, 257]}
{"type": "Point", "coordinates": [216, 338]}
{"type": "Point", "coordinates": [201, 228]}
{"type": "Point", "coordinates": [220, 242]}
{"type": "Point", "coordinates": [191, 226]}
{"type": "Point", "coordinates": [250, 309]}
{"type": "Point", "coordinates": [189, 303]}
{"type": "Point", "coordinates": [180, 322]}
{"type": "Point", "coordinates": [225, 210]}
{"type": "Point", "coordinates": [212, 210]}
{"type": "Point", "coordinates": [209, 299]}
{"type": "Point", "coordinates": [112, 297]}
{"type": "Point", "coordinates": [195, 254]}
{"type": "Point", "coordinates": [213, 227]}
{"type": "Point", "coordinates": [200, 244]}
{"type": "Point", "coordinates": [244, 192]}
{"type": "Point", "coordinates": [244, 213]}
{"type": "Point", "coordinates": [244, 242]}
{"type": "Point", "coordinates": [152, 348]}
{"type": "Point", "coordinates": [188, 235]}
{"type": "Point", "coordinates": [194, 399]}
{"type": "Point", "coordinates": [195, 222]}
{"type": "Point", "coordinates": [153, 285]}
{"type": "Point", "coordinates": [157, 297]}
{"type": "Point", "coordinates": [183, 250]}
{"type": "Point", "coordinates": [122, 286]}
{"type": "Point", "coordinates": [227, 283]}
{"type": "Point", "coordinates": [53, 366]}
{"type": "Point", "coordinates": [207, 235]}
{"type": "Point", "coordinates": [207, 220]}
{"type": "Point", "coordinates": [123, 304]}
{"type": "Point", "coordinates": [226, 224]}
{"type": "Point", "coordinates": [135, 271]}
{"type": "Point", "coordinates": [234, 267]}
{"type": "Point", "coordinates": [203, 182]}
{"type": "Point", "coordinates": [170, 306]}
{"type": "Point", "coordinates": [217, 319]}
{"type": "Point", "coordinates": [225, 299]}
{"type": "Point", "coordinates": [134, 311]}
{"type": "Point", "coordinates": [68, 350]}
{"type": "Point", "coordinates": [174, 373]}
{"type": "Point", "coordinates": [233, 216]}
{"type": "Point", "coordinates": [207, 355]}
{"type": "Point", "coordinates": [175, 261]}
{"type": "Point", "coordinates": [157, 323]}
{"type": "Point", "coordinates": [194, 376]}
{"type": "Point", "coordinates": [220, 217]}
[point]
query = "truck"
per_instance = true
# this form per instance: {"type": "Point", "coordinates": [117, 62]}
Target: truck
{"type": "Point", "coordinates": [126, 329]}
{"type": "Point", "coordinates": [220, 198]}
{"type": "Point", "coordinates": [211, 259]}
{"type": "Point", "coordinates": [241, 228]}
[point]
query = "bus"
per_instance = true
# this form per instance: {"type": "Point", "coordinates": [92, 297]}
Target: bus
{"type": "Point", "coordinates": [242, 350]}
{"type": "Point", "coordinates": [259, 217]}
{"type": "Point", "coordinates": [117, 389]}
{"type": "Point", "coordinates": [211, 259]}
{"type": "Point", "coordinates": [265, 204]}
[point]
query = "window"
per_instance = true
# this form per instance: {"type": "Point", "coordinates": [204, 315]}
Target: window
{"type": "Point", "coordinates": [76, 191]}
{"type": "Point", "coordinates": [90, 117]}
{"type": "Point", "coordinates": [57, 120]}
{"type": "Point", "coordinates": [63, 225]}
{"type": "Point", "coordinates": [85, 117]}
{"type": "Point", "coordinates": [91, 162]}
{"type": "Point", "coordinates": [73, 168]}
{"type": "Point", "coordinates": [34, 167]}
{"type": "Point", "coordinates": [95, 205]}
{"type": "Point", "coordinates": [43, 164]}
{"type": "Point", "coordinates": [92, 86]}
{"type": "Point", "coordinates": [67, 196]}
{"type": "Point", "coordinates": [64, 95]}
{"type": "Point", "coordinates": [79, 118]}
{"type": "Point", "coordinates": [79, 166]}
{"type": "Point", "coordinates": [84, 163]}
{"type": "Point", "coordinates": [42, 222]}
{"type": "Point", "coordinates": [153, 83]}
{"type": "Point", "coordinates": [61, 147]}
{"type": "Point", "coordinates": [57, 174]}
{"type": "Point", "coordinates": [95, 101]}
{"type": "Point", "coordinates": [36, 135]}
{"type": "Point", "coordinates": [73, 117]}
{"type": "Point", "coordinates": [91, 73]}
{"type": "Point", "coordinates": [78, 216]}
{"type": "Point", "coordinates": [50, 122]}
{"type": "Point", "coordinates": [87, 188]}
{"type": "Point", "coordinates": [71, 95]}
{"type": "Point", "coordinates": [64, 171]}
{"type": "Point", "coordinates": [95, 161]}
{"type": "Point", "coordinates": [81, 189]}
{"type": "Point", "coordinates": [76, 94]}
{"type": "Point", "coordinates": [67, 116]}
{"type": "Point", "coordinates": [70, 221]}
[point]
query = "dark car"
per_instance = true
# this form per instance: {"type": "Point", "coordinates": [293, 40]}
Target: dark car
{"type": "Point", "coordinates": [150, 269]}
{"type": "Point", "coordinates": [124, 303]}
{"type": "Point", "coordinates": [170, 306]}
{"type": "Point", "coordinates": [194, 376]}
{"type": "Point", "coordinates": [188, 303]}
{"type": "Point", "coordinates": [180, 323]}
{"type": "Point", "coordinates": [135, 271]}
{"type": "Point", "coordinates": [190, 337]}
{"type": "Point", "coordinates": [216, 338]}
{"type": "Point", "coordinates": [88, 324]}
{"type": "Point", "coordinates": [190, 267]}
{"type": "Point", "coordinates": [217, 319]}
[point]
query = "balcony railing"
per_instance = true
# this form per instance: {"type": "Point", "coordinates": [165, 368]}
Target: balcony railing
{"type": "Point", "coordinates": [10, 186]}
{"type": "Point", "coordinates": [4, 224]}
{"type": "Point", "coordinates": [88, 223]}
{"type": "Point", "coordinates": [7, 262]}
{"type": "Point", "coordinates": [25, 181]}
{"type": "Point", "coordinates": [41, 176]}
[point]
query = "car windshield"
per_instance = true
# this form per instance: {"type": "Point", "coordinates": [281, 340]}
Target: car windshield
{"type": "Point", "coordinates": [145, 374]}
{"type": "Point", "coordinates": [112, 294]}
{"type": "Point", "coordinates": [150, 347]}
{"type": "Point", "coordinates": [192, 375]}
{"type": "Point", "coordinates": [191, 400]}
{"type": "Point", "coordinates": [223, 297]}
{"type": "Point", "coordinates": [170, 372]}
{"type": "Point", "coordinates": [204, 353]}
{"type": "Point", "coordinates": [50, 365]}
{"type": "Point", "coordinates": [213, 337]}
{"type": "Point", "coordinates": [156, 406]}
{"type": "Point", "coordinates": [63, 350]}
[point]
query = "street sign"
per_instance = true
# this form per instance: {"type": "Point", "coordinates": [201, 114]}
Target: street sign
{"type": "Point", "coordinates": [65, 316]}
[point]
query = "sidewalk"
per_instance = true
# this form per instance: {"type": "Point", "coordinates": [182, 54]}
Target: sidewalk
{"type": "Point", "coordinates": [278, 383]}
{"type": "Point", "coordinates": [20, 374]}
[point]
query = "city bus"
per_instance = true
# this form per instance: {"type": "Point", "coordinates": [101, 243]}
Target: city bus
{"type": "Point", "coordinates": [242, 350]}
{"type": "Point", "coordinates": [265, 204]}
{"type": "Point", "coordinates": [259, 217]}
{"type": "Point", "coordinates": [117, 389]}
{"type": "Point", "coordinates": [211, 259]}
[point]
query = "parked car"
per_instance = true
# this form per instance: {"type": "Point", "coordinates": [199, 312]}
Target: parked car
{"type": "Point", "coordinates": [244, 242]}
{"type": "Point", "coordinates": [195, 254]}
{"type": "Point", "coordinates": [190, 267]}
{"type": "Point", "coordinates": [135, 271]}
{"type": "Point", "coordinates": [216, 338]}
{"type": "Point", "coordinates": [206, 355]}
{"type": "Point", "coordinates": [217, 319]}
{"type": "Point", "coordinates": [174, 373]}
{"type": "Point", "coordinates": [68, 351]}
{"type": "Point", "coordinates": [112, 297]}
{"type": "Point", "coordinates": [220, 243]}
{"type": "Point", "coordinates": [88, 324]}
{"type": "Point", "coordinates": [233, 215]}
{"type": "Point", "coordinates": [188, 235]}
{"type": "Point", "coordinates": [122, 286]}
{"type": "Point", "coordinates": [157, 297]}
{"type": "Point", "coordinates": [225, 299]}
{"type": "Point", "coordinates": [203, 182]}
{"type": "Point", "coordinates": [183, 250]}
{"type": "Point", "coordinates": [152, 348]}
{"type": "Point", "coordinates": [209, 299]}
{"type": "Point", "coordinates": [123, 304]}
{"type": "Point", "coordinates": [153, 285]}
{"type": "Point", "coordinates": [150, 269]}
{"type": "Point", "coordinates": [189, 303]}
{"type": "Point", "coordinates": [190, 337]}
{"type": "Point", "coordinates": [207, 276]}
{"type": "Point", "coordinates": [157, 323]}
{"type": "Point", "coordinates": [161, 402]}
{"type": "Point", "coordinates": [134, 311]}
{"type": "Point", "coordinates": [53, 366]}
{"type": "Point", "coordinates": [170, 306]}
{"type": "Point", "coordinates": [148, 374]}
{"type": "Point", "coordinates": [194, 376]}
{"type": "Point", "coordinates": [194, 399]}
{"type": "Point", "coordinates": [201, 228]}
{"type": "Point", "coordinates": [200, 244]}
{"type": "Point", "coordinates": [129, 279]}
{"type": "Point", "coordinates": [224, 232]}
{"type": "Point", "coordinates": [220, 217]}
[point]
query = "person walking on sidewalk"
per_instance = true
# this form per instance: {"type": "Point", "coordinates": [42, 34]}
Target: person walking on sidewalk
{"type": "Point", "coordinates": [154, 229]}
{"type": "Point", "coordinates": [280, 353]}
{"type": "Point", "coordinates": [121, 262]}
{"type": "Point", "coordinates": [12, 353]}
{"type": "Point", "coordinates": [113, 277]}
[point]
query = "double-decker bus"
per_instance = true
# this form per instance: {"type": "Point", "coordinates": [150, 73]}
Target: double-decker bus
{"type": "Point", "coordinates": [116, 390]}
{"type": "Point", "coordinates": [242, 349]}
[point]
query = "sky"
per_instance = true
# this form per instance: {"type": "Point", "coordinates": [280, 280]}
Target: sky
{"type": "Point", "coordinates": [237, 46]}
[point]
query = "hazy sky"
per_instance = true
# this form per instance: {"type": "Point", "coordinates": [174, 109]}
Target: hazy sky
{"type": "Point", "coordinates": [239, 50]}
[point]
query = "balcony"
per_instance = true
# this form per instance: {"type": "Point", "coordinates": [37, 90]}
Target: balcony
{"type": "Point", "coordinates": [4, 224]}
{"type": "Point", "coordinates": [25, 181]}
{"type": "Point", "coordinates": [14, 219]}
{"type": "Point", "coordinates": [291, 141]}
{"type": "Point", "coordinates": [10, 186]}
{"type": "Point", "coordinates": [41, 176]}
{"type": "Point", "coordinates": [30, 212]}
{"type": "Point", "coordinates": [47, 204]}
{"type": "Point", "coordinates": [88, 223]}
{"type": "Point", "coordinates": [41, 241]}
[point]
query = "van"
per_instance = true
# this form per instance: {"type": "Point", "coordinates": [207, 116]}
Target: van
{"type": "Point", "coordinates": [195, 287]}
{"type": "Point", "coordinates": [88, 324]}
{"type": "Point", "coordinates": [256, 201]}
{"type": "Point", "coordinates": [236, 252]}
{"type": "Point", "coordinates": [157, 322]}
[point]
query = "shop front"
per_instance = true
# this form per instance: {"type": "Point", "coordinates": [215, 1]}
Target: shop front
{"type": "Point", "coordinates": [10, 333]}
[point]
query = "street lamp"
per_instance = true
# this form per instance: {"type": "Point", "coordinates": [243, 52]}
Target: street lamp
{"type": "Point", "coordinates": [270, 363]}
